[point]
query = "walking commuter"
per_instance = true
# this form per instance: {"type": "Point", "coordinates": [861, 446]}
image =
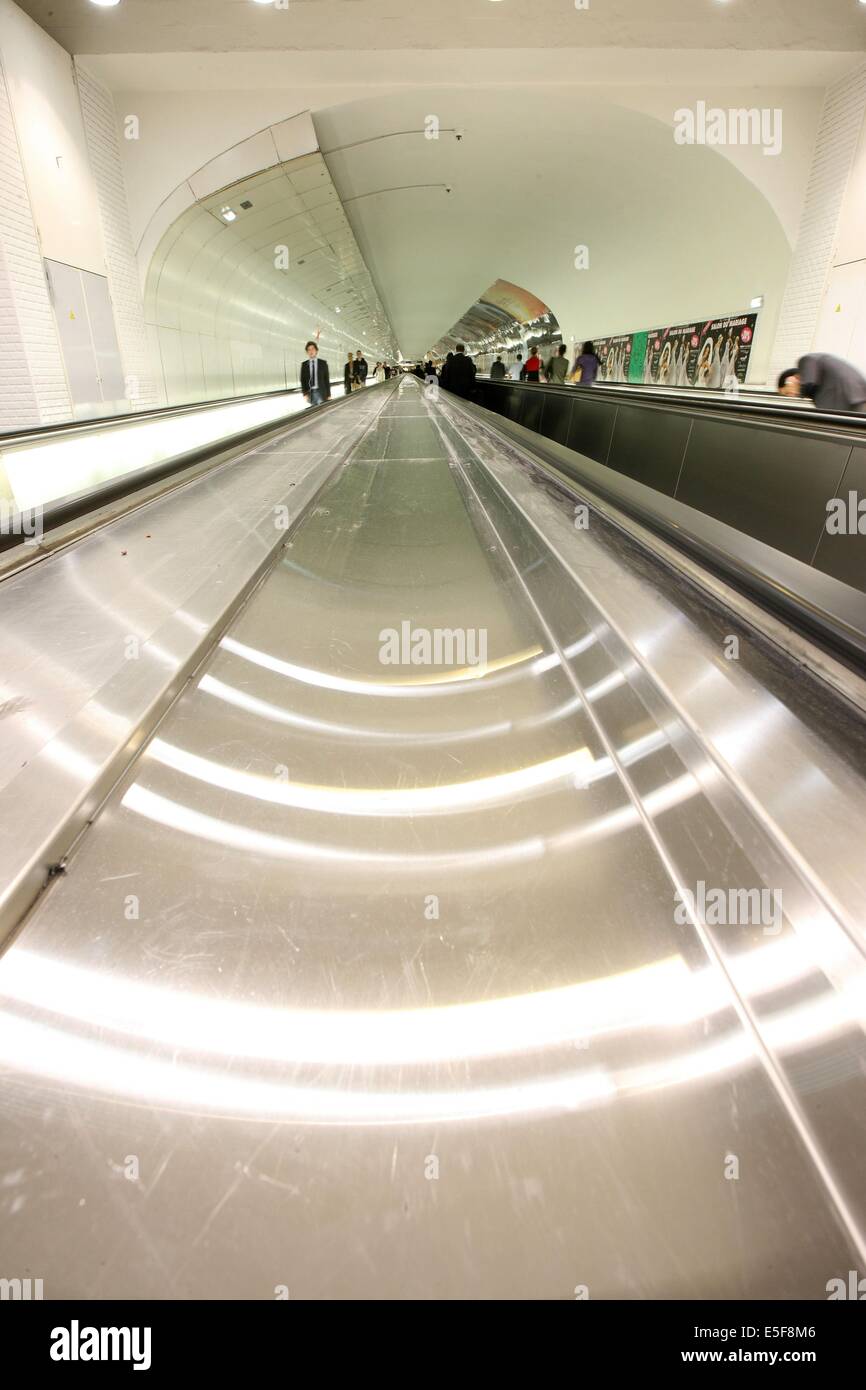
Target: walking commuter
{"type": "Point", "coordinates": [387, 372]}
{"type": "Point", "coordinates": [315, 378]}
{"type": "Point", "coordinates": [461, 376]}
{"type": "Point", "coordinates": [349, 375]}
{"type": "Point", "coordinates": [830, 382]}
{"type": "Point", "coordinates": [557, 367]}
{"type": "Point", "coordinates": [497, 371]}
{"type": "Point", "coordinates": [515, 371]}
{"type": "Point", "coordinates": [361, 369]}
{"type": "Point", "coordinates": [532, 366]}
{"type": "Point", "coordinates": [445, 374]}
{"type": "Point", "coordinates": [585, 369]}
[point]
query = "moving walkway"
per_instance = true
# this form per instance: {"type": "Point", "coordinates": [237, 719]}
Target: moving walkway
{"type": "Point", "coordinates": [337, 970]}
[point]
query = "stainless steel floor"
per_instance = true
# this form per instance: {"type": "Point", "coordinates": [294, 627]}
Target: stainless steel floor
{"type": "Point", "coordinates": [370, 981]}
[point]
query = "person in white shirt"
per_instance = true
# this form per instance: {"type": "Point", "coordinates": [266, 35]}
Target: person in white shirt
{"type": "Point", "coordinates": [516, 368]}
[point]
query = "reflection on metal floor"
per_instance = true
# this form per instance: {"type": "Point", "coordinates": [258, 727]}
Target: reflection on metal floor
{"type": "Point", "coordinates": [411, 981]}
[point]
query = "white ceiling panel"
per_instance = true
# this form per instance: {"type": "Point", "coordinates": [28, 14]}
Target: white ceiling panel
{"type": "Point", "coordinates": [221, 26]}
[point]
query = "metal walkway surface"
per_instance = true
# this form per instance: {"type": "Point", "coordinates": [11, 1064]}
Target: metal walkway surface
{"type": "Point", "coordinates": [531, 966]}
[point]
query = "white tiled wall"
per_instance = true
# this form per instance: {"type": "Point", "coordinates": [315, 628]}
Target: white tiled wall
{"type": "Point", "coordinates": [146, 388]}
{"type": "Point", "coordinates": [18, 405]}
{"type": "Point", "coordinates": [832, 164]}
{"type": "Point", "coordinates": [33, 389]}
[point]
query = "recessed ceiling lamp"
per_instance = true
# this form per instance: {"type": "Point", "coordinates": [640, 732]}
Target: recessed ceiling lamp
{"type": "Point", "coordinates": [228, 214]}
{"type": "Point", "coordinates": [105, 4]}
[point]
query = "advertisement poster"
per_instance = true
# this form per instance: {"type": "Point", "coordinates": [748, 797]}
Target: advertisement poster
{"type": "Point", "coordinates": [615, 357]}
{"type": "Point", "coordinates": [713, 355]}
{"type": "Point", "coordinates": [723, 352]}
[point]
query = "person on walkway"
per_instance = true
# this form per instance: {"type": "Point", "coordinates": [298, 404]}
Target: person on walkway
{"type": "Point", "coordinates": [831, 383]}
{"type": "Point", "coordinates": [461, 375]}
{"type": "Point", "coordinates": [532, 366]}
{"type": "Point", "coordinates": [556, 369]}
{"type": "Point", "coordinates": [585, 369]}
{"type": "Point", "coordinates": [315, 378]}
{"type": "Point", "coordinates": [349, 375]}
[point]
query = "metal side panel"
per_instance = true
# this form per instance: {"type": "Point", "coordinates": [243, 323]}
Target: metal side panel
{"type": "Point", "coordinates": [99, 636]}
{"type": "Point", "coordinates": [770, 472]}
{"type": "Point", "coordinates": [832, 611]}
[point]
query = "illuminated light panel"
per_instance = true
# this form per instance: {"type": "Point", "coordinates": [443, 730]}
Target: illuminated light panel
{"type": "Point", "coordinates": [43, 472]}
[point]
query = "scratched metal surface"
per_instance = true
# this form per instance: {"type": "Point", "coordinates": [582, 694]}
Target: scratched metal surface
{"type": "Point", "coordinates": [370, 980]}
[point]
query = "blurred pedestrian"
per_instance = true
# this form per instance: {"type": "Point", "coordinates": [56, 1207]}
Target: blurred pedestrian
{"type": "Point", "coordinates": [831, 383]}
{"type": "Point", "coordinates": [586, 365]}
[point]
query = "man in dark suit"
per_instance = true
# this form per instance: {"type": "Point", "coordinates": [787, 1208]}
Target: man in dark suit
{"type": "Point", "coordinates": [461, 374]}
{"type": "Point", "coordinates": [360, 369]}
{"type": "Point", "coordinates": [315, 378]}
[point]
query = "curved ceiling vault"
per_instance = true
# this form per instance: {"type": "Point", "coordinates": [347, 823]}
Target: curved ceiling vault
{"type": "Point", "coordinates": [248, 272]}
{"type": "Point", "coordinates": [504, 315]}
{"type": "Point", "coordinates": [402, 232]}
{"type": "Point", "coordinates": [671, 231]}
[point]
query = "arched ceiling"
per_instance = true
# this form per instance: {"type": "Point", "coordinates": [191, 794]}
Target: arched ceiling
{"type": "Point", "coordinates": [502, 314]}
{"type": "Point", "coordinates": [672, 231]}
{"type": "Point", "coordinates": [285, 268]}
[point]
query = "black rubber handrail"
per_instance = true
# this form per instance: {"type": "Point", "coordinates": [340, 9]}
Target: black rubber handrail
{"type": "Point", "coordinates": [826, 610]}
{"type": "Point", "coordinates": [797, 417]}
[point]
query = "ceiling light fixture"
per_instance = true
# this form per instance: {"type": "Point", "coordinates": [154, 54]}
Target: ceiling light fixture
{"type": "Point", "coordinates": [228, 214]}
{"type": "Point", "coordinates": [105, 4]}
